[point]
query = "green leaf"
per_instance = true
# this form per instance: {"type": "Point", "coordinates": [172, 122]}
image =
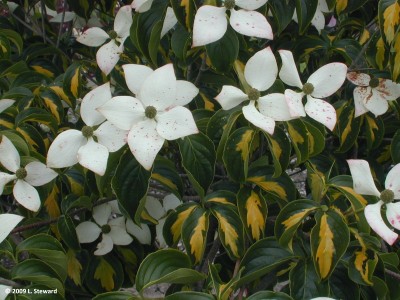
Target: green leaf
{"type": "Point", "coordinates": [282, 12]}
{"type": "Point", "coordinates": [362, 266]}
{"type": "Point", "coordinates": [298, 135]}
{"type": "Point", "coordinates": [116, 296]}
{"type": "Point", "coordinates": [316, 181]}
{"type": "Point", "coordinates": [305, 13]}
{"type": "Point", "coordinates": [263, 295]}
{"type": "Point", "coordinates": [198, 160]}
{"type": "Point", "coordinates": [180, 42]}
{"type": "Point", "coordinates": [66, 227]}
{"type": "Point", "coordinates": [166, 266]}
{"type": "Point", "coordinates": [72, 83]}
{"type": "Point", "coordinates": [395, 147]}
{"type": "Point", "coordinates": [81, 7]}
{"type": "Point", "coordinates": [184, 12]}
{"type": "Point", "coordinates": [189, 295]}
{"type": "Point", "coordinates": [280, 148]}
{"type": "Point", "coordinates": [347, 128]}
{"type": "Point", "coordinates": [14, 37]}
{"type": "Point", "coordinates": [130, 184]}
{"type": "Point", "coordinates": [165, 173]}
{"type": "Point", "coordinates": [34, 114]}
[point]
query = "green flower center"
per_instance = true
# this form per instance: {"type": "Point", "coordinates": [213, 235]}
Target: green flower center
{"type": "Point", "coordinates": [113, 35]}
{"type": "Point", "coordinates": [387, 196]}
{"type": "Point", "coordinates": [254, 94]}
{"type": "Point", "coordinates": [87, 131]}
{"type": "Point", "coordinates": [106, 228]}
{"type": "Point", "coordinates": [374, 82]}
{"type": "Point", "coordinates": [150, 112]}
{"type": "Point", "coordinates": [308, 88]}
{"type": "Point", "coordinates": [21, 173]}
{"type": "Point", "coordinates": [229, 4]}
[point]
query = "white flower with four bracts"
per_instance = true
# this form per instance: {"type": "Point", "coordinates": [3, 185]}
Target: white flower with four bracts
{"type": "Point", "coordinates": [156, 113]}
{"type": "Point", "coordinates": [260, 73]}
{"type": "Point", "coordinates": [363, 183]}
{"type": "Point", "coordinates": [108, 55]}
{"type": "Point", "coordinates": [372, 94]}
{"type": "Point", "coordinates": [321, 84]}
{"type": "Point", "coordinates": [210, 22]}
{"type": "Point", "coordinates": [107, 223]}
{"type": "Point", "coordinates": [73, 146]}
{"type": "Point", "coordinates": [26, 178]}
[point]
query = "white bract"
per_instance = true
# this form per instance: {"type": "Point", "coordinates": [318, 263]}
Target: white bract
{"type": "Point", "coordinates": [4, 291]}
{"type": "Point", "coordinates": [372, 94]}
{"type": "Point", "coordinates": [141, 5]}
{"type": "Point", "coordinates": [111, 228]}
{"type": "Point", "coordinates": [156, 114]}
{"type": "Point", "coordinates": [73, 146]}
{"type": "Point", "coordinates": [364, 184]}
{"type": "Point", "coordinates": [210, 22]}
{"type": "Point", "coordinates": [321, 84]}
{"type": "Point", "coordinates": [5, 103]}
{"type": "Point", "coordinates": [108, 55]}
{"type": "Point", "coordinates": [8, 223]}
{"type": "Point", "coordinates": [260, 73]}
{"type": "Point", "coordinates": [318, 21]}
{"type": "Point", "coordinates": [33, 174]}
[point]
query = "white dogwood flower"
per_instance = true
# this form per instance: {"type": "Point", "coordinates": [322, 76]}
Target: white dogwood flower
{"type": "Point", "coordinates": [260, 73]}
{"type": "Point", "coordinates": [8, 223]}
{"type": "Point", "coordinates": [210, 22]}
{"type": "Point", "coordinates": [372, 94]}
{"type": "Point", "coordinates": [156, 114]}
{"type": "Point", "coordinates": [33, 174]}
{"type": "Point", "coordinates": [321, 84]}
{"type": "Point", "coordinates": [73, 146]}
{"type": "Point", "coordinates": [108, 55]}
{"type": "Point", "coordinates": [318, 21]}
{"type": "Point", "coordinates": [111, 228]}
{"type": "Point", "coordinates": [363, 183]}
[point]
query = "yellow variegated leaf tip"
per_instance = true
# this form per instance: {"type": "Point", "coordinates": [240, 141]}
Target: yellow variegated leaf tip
{"type": "Point", "coordinates": [396, 65]}
{"type": "Point", "coordinates": [51, 203]}
{"type": "Point", "coordinates": [296, 218]}
{"type": "Point", "coordinates": [347, 129]}
{"type": "Point", "coordinates": [360, 198]}
{"type": "Point", "coordinates": [255, 218]}
{"type": "Point", "coordinates": [341, 5]}
{"type": "Point", "coordinates": [380, 53]}
{"type": "Point", "coordinates": [295, 135]}
{"type": "Point", "coordinates": [208, 105]}
{"type": "Point", "coordinates": [177, 226]}
{"type": "Point", "coordinates": [105, 273]}
{"type": "Point", "coordinates": [43, 71]}
{"type": "Point", "coordinates": [197, 240]}
{"type": "Point", "coordinates": [186, 5]}
{"type": "Point", "coordinates": [276, 148]}
{"type": "Point", "coordinates": [373, 126]}
{"type": "Point", "coordinates": [74, 268]}
{"type": "Point", "coordinates": [269, 186]}
{"type": "Point", "coordinates": [220, 200]}
{"type": "Point", "coordinates": [75, 82]}
{"type": "Point", "coordinates": [364, 37]}
{"type": "Point", "coordinates": [325, 249]}
{"type": "Point", "coordinates": [244, 144]}
{"type": "Point", "coordinates": [362, 266]}
{"type": "Point", "coordinates": [164, 180]}
{"type": "Point", "coordinates": [53, 108]}
{"type": "Point", "coordinates": [231, 236]}
{"type": "Point", "coordinates": [391, 19]}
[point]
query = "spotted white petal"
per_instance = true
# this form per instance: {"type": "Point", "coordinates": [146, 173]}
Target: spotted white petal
{"type": "Point", "coordinates": [105, 246]}
{"type": "Point", "coordinates": [230, 96]}
{"type": "Point", "coordinates": [295, 104]}
{"type": "Point", "coordinates": [114, 206]}
{"type": "Point", "coordinates": [145, 142]}
{"type": "Point", "coordinates": [4, 179]}
{"type": "Point", "coordinates": [210, 24]}
{"type": "Point", "coordinates": [159, 233]}
{"type": "Point", "coordinates": [8, 223]}
{"type": "Point", "coordinates": [141, 5]}
{"type": "Point", "coordinates": [135, 75]}
{"type": "Point", "coordinates": [363, 183]}
{"type": "Point", "coordinates": [375, 103]}
{"type": "Point", "coordinates": [123, 21]}
{"type": "Point", "coordinates": [94, 99]}
{"type": "Point", "coordinates": [93, 156]}
{"type": "Point", "coordinates": [393, 214]}
{"type": "Point", "coordinates": [5, 103]}
{"type": "Point", "coordinates": [251, 23]}
{"type": "Point", "coordinates": [123, 111]}
{"type": "Point", "coordinates": [101, 213]}
{"type": "Point", "coordinates": [142, 233]}
{"type": "Point", "coordinates": [252, 115]}
{"type": "Point", "coordinates": [171, 202]}
{"type": "Point", "coordinates": [321, 111]}
{"type": "Point", "coordinates": [261, 70]}
{"type": "Point", "coordinates": [68, 16]}
{"type": "Point", "coordinates": [93, 37]}
{"type": "Point", "coordinates": [118, 232]}
{"type": "Point", "coordinates": [274, 106]}
{"type": "Point", "coordinates": [392, 181]}
{"type": "Point", "coordinates": [108, 56]}
{"type": "Point", "coordinates": [185, 92]}
{"type": "Point", "coordinates": [159, 88]}
{"type": "Point", "coordinates": [26, 195]}
{"type": "Point", "coordinates": [176, 123]}
{"type": "Point", "coordinates": [318, 20]}
{"type": "Point", "coordinates": [111, 136]}
{"type": "Point", "coordinates": [63, 152]}
{"type": "Point", "coordinates": [169, 21]}
{"type": "Point", "coordinates": [38, 174]}
{"type": "Point", "coordinates": [154, 208]}
{"type": "Point", "coordinates": [327, 79]}
{"type": "Point", "coordinates": [388, 89]}
{"type": "Point", "coordinates": [359, 94]}
{"type": "Point", "coordinates": [9, 156]}
{"type": "Point", "coordinates": [288, 73]}
{"type": "Point", "coordinates": [373, 215]}
{"type": "Point", "coordinates": [87, 232]}
{"type": "Point", "coordinates": [250, 4]}
{"type": "Point", "coordinates": [359, 79]}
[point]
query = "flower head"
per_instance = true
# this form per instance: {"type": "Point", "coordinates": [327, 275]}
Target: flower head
{"type": "Point", "coordinates": [33, 174]}
{"type": "Point", "coordinates": [210, 23]}
{"type": "Point", "coordinates": [364, 184]}
{"type": "Point", "coordinates": [372, 94]}
{"type": "Point", "coordinates": [156, 113]}
{"type": "Point", "coordinates": [108, 55]}
{"type": "Point", "coordinates": [260, 73]}
{"type": "Point", "coordinates": [322, 83]}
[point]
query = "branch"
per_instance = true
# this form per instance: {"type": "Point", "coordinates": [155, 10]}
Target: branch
{"type": "Point", "coordinates": [10, 283]}
{"type": "Point", "coordinates": [393, 274]}
{"type": "Point", "coordinates": [201, 70]}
